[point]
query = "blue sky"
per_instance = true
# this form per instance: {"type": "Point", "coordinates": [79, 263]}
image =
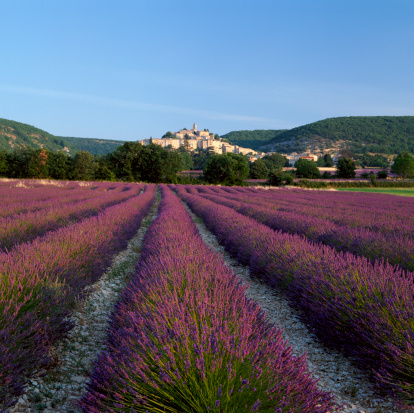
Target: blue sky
{"type": "Point", "coordinates": [133, 69]}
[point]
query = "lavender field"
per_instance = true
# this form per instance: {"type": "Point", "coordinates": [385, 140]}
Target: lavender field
{"type": "Point", "coordinates": [41, 278]}
{"type": "Point", "coordinates": [183, 336]}
{"type": "Point", "coordinates": [354, 300]}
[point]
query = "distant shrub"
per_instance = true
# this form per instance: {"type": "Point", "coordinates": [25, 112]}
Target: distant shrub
{"type": "Point", "coordinates": [382, 174]}
{"type": "Point", "coordinates": [278, 178]}
{"type": "Point", "coordinates": [289, 179]}
{"type": "Point", "coordinates": [305, 183]}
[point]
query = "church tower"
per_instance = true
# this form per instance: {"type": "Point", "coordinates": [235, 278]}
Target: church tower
{"type": "Point", "coordinates": [195, 128]}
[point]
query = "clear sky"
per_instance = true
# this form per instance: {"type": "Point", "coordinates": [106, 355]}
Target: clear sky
{"type": "Point", "coordinates": [131, 69]}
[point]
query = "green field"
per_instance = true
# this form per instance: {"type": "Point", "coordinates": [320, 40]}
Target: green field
{"type": "Point", "coordinates": [389, 191]}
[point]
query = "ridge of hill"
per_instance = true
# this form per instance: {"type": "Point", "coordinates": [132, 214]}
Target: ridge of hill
{"type": "Point", "coordinates": [361, 134]}
{"type": "Point", "coordinates": [253, 139]}
{"type": "Point", "coordinates": [387, 135]}
{"type": "Point", "coordinates": [14, 135]}
{"type": "Point", "coordinates": [93, 146]}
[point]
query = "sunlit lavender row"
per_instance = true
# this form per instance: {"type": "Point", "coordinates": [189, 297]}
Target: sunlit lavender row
{"type": "Point", "coordinates": [364, 309]}
{"type": "Point", "coordinates": [394, 247]}
{"type": "Point", "coordinates": [377, 212]}
{"type": "Point", "coordinates": [185, 338]}
{"type": "Point", "coordinates": [40, 280]}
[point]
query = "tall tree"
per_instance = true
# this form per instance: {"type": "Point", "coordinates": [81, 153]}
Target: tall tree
{"type": "Point", "coordinates": [200, 158]}
{"type": "Point", "coordinates": [102, 170]}
{"type": "Point", "coordinates": [4, 167]}
{"type": "Point", "coordinates": [275, 160]}
{"type": "Point", "coordinates": [307, 169]}
{"type": "Point", "coordinates": [186, 159]}
{"type": "Point", "coordinates": [345, 168]}
{"type": "Point", "coordinates": [258, 169]}
{"type": "Point", "coordinates": [159, 165]}
{"type": "Point", "coordinates": [404, 165]}
{"type": "Point", "coordinates": [226, 169]}
{"type": "Point", "coordinates": [328, 161]}
{"type": "Point", "coordinates": [58, 165]}
{"type": "Point", "coordinates": [186, 142]}
{"type": "Point", "coordinates": [82, 166]}
{"type": "Point", "coordinates": [126, 161]}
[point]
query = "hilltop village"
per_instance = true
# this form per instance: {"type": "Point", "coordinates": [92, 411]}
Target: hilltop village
{"type": "Point", "coordinates": [203, 139]}
{"type": "Point", "coordinates": [196, 139]}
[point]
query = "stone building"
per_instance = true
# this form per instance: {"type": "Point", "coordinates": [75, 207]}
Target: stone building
{"type": "Point", "coordinates": [193, 138]}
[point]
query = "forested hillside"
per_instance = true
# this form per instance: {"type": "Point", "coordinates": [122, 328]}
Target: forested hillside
{"type": "Point", "coordinates": [361, 134]}
{"type": "Point", "coordinates": [252, 138]}
{"type": "Point", "coordinates": [94, 146]}
{"type": "Point", "coordinates": [14, 135]}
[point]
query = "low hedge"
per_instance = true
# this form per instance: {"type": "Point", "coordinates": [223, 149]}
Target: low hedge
{"type": "Point", "coordinates": [306, 183]}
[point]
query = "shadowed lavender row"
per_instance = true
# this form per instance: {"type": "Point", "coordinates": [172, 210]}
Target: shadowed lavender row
{"type": "Point", "coordinates": [40, 281]}
{"type": "Point", "coordinates": [185, 338]}
{"type": "Point", "coordinates": [395, 248]}
{"type": "Point", "coordinates": [27, 226]}
{"type": "Point", "coordinates": [364, 309]}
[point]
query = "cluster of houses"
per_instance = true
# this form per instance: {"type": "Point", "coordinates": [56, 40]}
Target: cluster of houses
{"type": "Point", "coordinates": [293, 158]}
{"type": "Point", "coordinates": [194, 139]}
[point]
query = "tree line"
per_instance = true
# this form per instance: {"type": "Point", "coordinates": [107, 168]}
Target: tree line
{"type": "Point", "coordinates": [133, 161]}
{"type": "Point", "coordinates": [129, 162]}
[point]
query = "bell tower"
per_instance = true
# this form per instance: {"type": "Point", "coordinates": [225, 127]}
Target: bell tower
{"type": "Point", "coordinates": [195, 128]}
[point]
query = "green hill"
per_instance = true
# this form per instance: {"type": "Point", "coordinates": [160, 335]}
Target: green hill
{"type": "Point", "coordinates": [252, 138]}
{"type": "Point", "coordinates": [94, 146]}
{"type": "Point", "coordinates": [14, 135]}
{"type": "Point", "coordinates": [361, 134]}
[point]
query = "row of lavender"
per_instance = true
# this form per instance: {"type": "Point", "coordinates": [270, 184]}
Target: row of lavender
{"type": "Point", "coordinates": [40, 281]}
{"type": "Point", "coordinates": [23, 227]}
{"type": "Point", "coordinates": [377, 212]}
{"type": "Point", "coordinates": [185, 338]}
{"type": "Point", "coordinates": [394, 247]}
{"type": "Point", "coordinates": [29, 198]}
{"type": "Point", "coordinates": [364, 309]}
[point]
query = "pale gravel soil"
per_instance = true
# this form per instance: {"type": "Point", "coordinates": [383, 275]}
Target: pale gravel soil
{"type": "Point", "coordinates": [74, 357]}
{"type": "Point", "coordinates": [349, 385]}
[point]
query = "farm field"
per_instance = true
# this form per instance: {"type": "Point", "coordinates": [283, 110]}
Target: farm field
{"type": "Point", "coordinates": [353, 303]}
{"type": "Point", "coordinates": [175, 341]}
{"type": "Point", "coordinates": [42, 279]}
{"type": "Point", "coordinates": [389, 191]}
